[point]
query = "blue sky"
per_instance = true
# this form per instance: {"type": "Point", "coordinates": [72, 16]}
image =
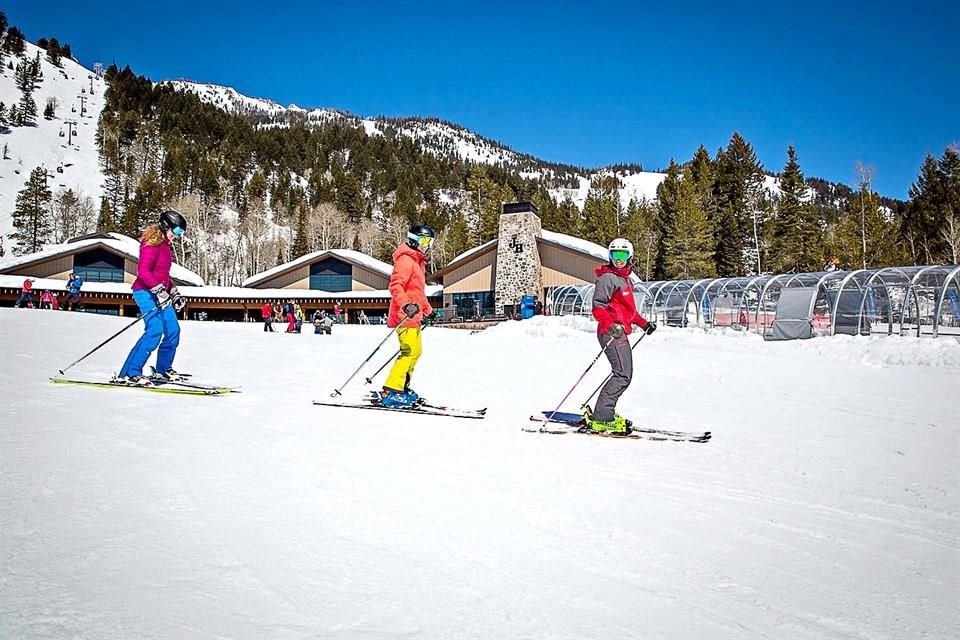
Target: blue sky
{"type": "Point", "coordinates": [586, 83]}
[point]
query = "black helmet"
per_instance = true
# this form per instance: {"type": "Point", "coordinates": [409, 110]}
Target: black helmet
{"type": "Point", "coordinates": [171, 219]}
{"type": "Point", "coordinates": [416, 233]}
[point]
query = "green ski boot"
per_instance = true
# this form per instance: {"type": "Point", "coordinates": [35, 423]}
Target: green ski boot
{"type": "Point", "coordinates": [618, 426]}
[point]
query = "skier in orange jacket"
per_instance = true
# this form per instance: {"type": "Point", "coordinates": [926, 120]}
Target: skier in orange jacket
{"type": "Point", "coordinates": [408, 308]}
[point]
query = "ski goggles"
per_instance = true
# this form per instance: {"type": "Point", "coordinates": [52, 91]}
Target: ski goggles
{"type": "Point", "coordinates": [619, 256]}
{"type": "Point", "coordinates": [423, 241]}
{"type": "Point", "coordinates": [177, 231]}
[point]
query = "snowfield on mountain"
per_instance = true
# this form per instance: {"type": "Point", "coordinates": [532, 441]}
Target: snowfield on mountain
{"type": "Point", "coordinates": [825, 506]}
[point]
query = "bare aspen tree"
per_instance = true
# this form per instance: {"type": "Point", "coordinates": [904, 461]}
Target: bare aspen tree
{"type": "Point", "coordinates": [72, 214]}
{"type": "Point", "coordinates": [866, 177]}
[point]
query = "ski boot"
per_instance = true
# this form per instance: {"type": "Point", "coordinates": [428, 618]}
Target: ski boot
{"type": "Point", "coordinates": [169, 375]}
{"type": "Point", "coordinates": [398, 399]}
{"type": "Point", "coordinates": [619, 426]}
{"type": "Point", "coordinates": [417, 399]}
{"type": "Point", "coordinates": [133, 381]}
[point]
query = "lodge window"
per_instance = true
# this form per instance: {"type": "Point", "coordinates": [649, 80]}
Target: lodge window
{"type": "Point", "coordinates": [331, 275]}
{"type": "Point", "coordinates": [98, 265]}
{"type": "Point", "coordinates": [473, 305]}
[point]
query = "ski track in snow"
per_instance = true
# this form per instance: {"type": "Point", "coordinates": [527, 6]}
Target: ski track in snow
{"type": "Point", "coordinates": [826, 505]}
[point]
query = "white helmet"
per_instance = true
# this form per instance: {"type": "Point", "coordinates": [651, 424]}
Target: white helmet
{"type": "Point", "coordinates": [620, 244]}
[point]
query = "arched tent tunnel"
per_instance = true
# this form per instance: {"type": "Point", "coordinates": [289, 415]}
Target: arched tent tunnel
{"type": "Point", "coordinates": [920, 300]}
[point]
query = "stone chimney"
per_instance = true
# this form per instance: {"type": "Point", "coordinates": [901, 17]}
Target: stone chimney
{"type": "Point", "coordinates": [518, 261]}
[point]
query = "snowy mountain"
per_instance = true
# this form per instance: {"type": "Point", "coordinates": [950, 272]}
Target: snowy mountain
{"type": "Point", "coordinates": [825, 506]}
{"type": "Point", "coordinates": [435, 136]}
{"type": "Point", "coordinates": [65, 145]}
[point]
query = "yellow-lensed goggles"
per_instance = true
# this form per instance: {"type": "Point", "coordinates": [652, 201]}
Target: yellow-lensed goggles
{"type": "Point", "coordinates": [423, 241]}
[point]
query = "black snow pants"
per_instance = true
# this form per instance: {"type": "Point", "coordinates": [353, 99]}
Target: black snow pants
{"type": "Point", "coordinates": [621, 364]}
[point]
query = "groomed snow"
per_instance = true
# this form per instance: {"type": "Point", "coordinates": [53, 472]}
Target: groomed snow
{"type": "Point", "coordinates": [826, 505]}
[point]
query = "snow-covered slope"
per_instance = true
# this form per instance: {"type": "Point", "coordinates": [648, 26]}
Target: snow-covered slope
{"type": "Point", "coordinates": [228, 99]}
{"type": "Point", "coordinates": [824, 507]}
{"type": "Point", "coordinates": [75, 166]}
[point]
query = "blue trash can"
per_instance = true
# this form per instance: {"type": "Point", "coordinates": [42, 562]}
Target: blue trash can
{"type": "Point", "coordinates": [527, 304]}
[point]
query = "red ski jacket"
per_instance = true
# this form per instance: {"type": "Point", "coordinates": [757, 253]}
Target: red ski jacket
{"type": "Point", "coordinates": [613, 300]}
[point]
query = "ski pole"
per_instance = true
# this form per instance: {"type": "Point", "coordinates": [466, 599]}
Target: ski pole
{"type": "Point", "coordinates": [382, 367]}
{"type": "Point", "coordinates": [336, 392]}
{"type": "Point", "coordinates": [582, 375]}
{"type": "Point", "coordinates": [369, 380]}
{"type": "Point", "coordinates": [609, 375]}
{"type": "Point", "coordinates": [96, 348]}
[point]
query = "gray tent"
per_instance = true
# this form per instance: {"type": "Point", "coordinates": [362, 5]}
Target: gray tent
{"type": "Point", "coordinates": [794, 310]}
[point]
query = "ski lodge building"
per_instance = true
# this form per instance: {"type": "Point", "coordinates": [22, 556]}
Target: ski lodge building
{"type": "Point", "coordinates": [107, 262]}
{"type": "Point", "coordinates": [487, 282]}
{"type": "Point", "coordinates": [523, 260]}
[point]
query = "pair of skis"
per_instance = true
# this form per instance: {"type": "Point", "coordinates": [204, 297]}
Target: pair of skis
{"type": "Point", "coordinates": [372, 401]}
{"type": "Point", "coordinates": [567, 423]}
{"type": "Point", "coordinates": [574, 423]}
{"type": "Point", "coordinates": [158, 385]}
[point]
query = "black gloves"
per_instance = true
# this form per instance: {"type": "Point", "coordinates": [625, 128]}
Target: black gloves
{"type": "Point", "coordinates": [411, 309]}
{"type": "Point", "coordinates": [615, 331]}
{"type": "Point", "coordinates": [179, 302]}
{"type": "Point", "coordinates": [163, 296]}
{"type": "Point", "coordinates": [651, 327]}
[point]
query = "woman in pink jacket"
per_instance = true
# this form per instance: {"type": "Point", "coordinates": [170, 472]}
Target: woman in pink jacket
{"type": "Point", "coordinates": [158, 299]}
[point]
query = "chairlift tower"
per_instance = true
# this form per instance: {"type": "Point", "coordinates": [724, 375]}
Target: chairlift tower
{"type": "Point", "coordinates": [70, 130]}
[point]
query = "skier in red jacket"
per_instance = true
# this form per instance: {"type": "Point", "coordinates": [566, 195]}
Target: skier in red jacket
{"type": "Point", "coordinates": [615, 309]}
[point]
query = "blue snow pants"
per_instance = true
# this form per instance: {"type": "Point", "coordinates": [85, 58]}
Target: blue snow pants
{"type": "Point", "coordinates": [163, 325]}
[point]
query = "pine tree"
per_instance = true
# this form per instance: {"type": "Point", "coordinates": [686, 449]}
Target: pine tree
{"type": "Point", "coordinates": [147, 201]}
{"type": "Point", "coordinates": [23, 76]}
{"type": "Point", "coordinates": [26, 110]}
{"type": "Point", "coordinates": [795, 242]}
{"type": "Point", "coordinates": [31, 218]}
{"type": "Point", "coordinates": [458, 237]}
{"type": "Point", "coordinates": [105, 221]}
{"type": "Point", "coordinates": [738, 194]}
{"type": "Point", "coordinates": [920, 224]}
{"type": "Point", "coordinates": [949, 170]}
{"type": "Point", "coordinates": [14, 43]}
{"type": "Point", "coordinates": [350, 198]}
{"type": "Point", "coordinates": [602, 211]}
{"type": "Point", "coordinates": [487, 197]}
{"type": "Point", "coordinates": [301, 241]}
{"type": "Point", "coordinates": [3, 115]}
{"type": "Point", "coordinates": [689, 248]}
{"type": "Point", "coordinates": [50, 110]}
{"type": "Point", "coordinates": [53, 52]}
{"type": "Point", "coordinates": [3, 30]}
{"type": "Point", "coordinates": [668, 197]}
{"type": "Point", "coordinates": [547, 206]}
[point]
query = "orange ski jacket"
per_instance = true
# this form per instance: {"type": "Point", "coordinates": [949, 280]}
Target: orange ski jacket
{"type": "Point", "coordinates": [407, 283]}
